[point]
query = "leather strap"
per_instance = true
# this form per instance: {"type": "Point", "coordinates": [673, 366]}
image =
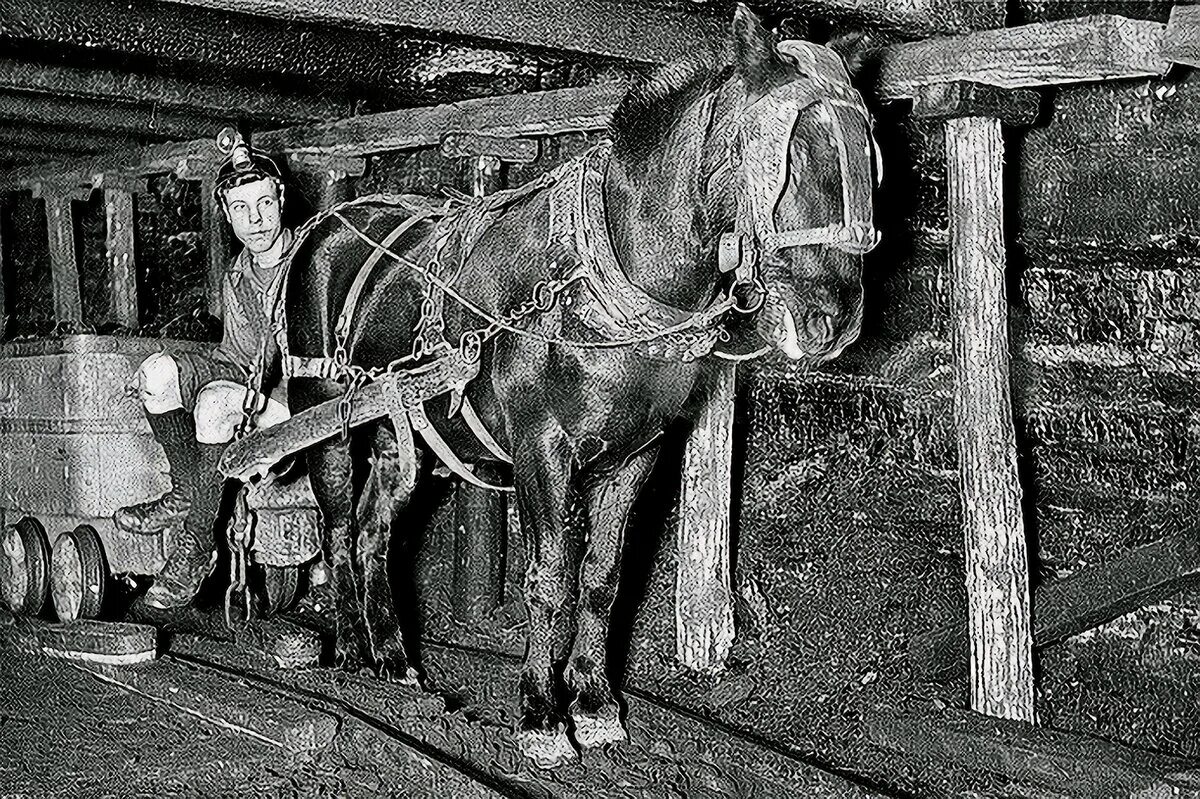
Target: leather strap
{"type": "Point", "coordinates": [430, 435]}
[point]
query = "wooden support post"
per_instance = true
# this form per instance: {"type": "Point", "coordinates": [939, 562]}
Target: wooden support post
{"type": "Point", "coordinates": [3, 293]}
{"type": "Point", "coordinates": [64, 267]}
{"type": "Point", "coordinates": [217, 234]}
{"type": "Point", "coordinates": [997, 562]}
{"type": "Point", "coordinates": [481, 515]}
{"type": "Point", "coordinates": [703, 579]}
{"type": "Point", "coordinates": [118, 214]}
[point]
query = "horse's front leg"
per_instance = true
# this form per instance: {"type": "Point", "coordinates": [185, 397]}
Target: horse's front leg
{"type": "Point", "coordinates": [542, 470]}
{"type": "Point", "coordinates": [387, 490]}
{"type": "Point", "coordinates": [610, 495]}
{"type": "Point", "coordinates": [330, 469]}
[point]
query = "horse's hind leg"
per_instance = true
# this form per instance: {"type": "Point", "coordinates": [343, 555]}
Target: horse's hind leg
{"type": "Point", "coordinates": [330, 468]}
{"type": "Point", "coordinates": [388, 487]}
{"type": "Point", "coordinates": [610, 496]}
{"type": "Point", "coordinates": [542, 468]}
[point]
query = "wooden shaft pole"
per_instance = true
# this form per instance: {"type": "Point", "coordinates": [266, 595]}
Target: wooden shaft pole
{"type": "Point", "coordinates": [703, 580]}
{"type": "Point", "coordinates": [64, 268]}
{"type": "Point", "coordinates": [216, 238]}
{"type": "Point", "coordinates": [118, 214]}
{"type": "Point", "coordinates": [997, 566]}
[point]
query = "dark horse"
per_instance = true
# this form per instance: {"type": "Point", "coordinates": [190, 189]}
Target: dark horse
{"type": "Point", "coordinates": [766, 140]}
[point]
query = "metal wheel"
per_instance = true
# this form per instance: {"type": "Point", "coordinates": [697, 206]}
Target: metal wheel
{"type": "Point", "coordinates": [25, 567]}
{"type": "Point", "coordinates": [281, 588]}
{"type": "Point", "coordinates": [78, 574]}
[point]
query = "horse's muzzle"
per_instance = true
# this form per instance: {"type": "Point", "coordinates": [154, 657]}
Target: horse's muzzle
{"type": "Point", "coordinates": [811, 330]}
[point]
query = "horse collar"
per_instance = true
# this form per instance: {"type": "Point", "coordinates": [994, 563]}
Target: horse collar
{"type": "Point", "coordinates": [607, 301]}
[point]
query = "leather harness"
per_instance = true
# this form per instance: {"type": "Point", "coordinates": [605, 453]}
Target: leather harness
{"type": "Point", "coordinates": [583, 262]}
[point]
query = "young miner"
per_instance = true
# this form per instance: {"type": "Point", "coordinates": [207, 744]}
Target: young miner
{"type": "Point", "coordinates": [194, 401]}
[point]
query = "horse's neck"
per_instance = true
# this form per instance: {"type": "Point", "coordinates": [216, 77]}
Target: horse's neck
{"type": "Point", "coordinates": [655, 220]}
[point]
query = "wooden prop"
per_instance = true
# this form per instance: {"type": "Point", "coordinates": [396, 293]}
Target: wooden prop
{"type": "Point", "coordinates": [1086, 599]}
{"type": "Point", "coordinates": [703, 580]}
{"type": "Point", "coordinates": [997, 566]}
{"type": "Point", "coordinates": [1048, 762]}
{"type": "Point", "coordinates": [481, 515]}
{"type": "Point", "coordinates": [64, 266]}
{"type": "Point", "coordinates": [217, 238]}
{"type": "Point", "coordinates": [122, 275]}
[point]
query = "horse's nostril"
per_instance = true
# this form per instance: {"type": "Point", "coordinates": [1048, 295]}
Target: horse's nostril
{"type": "Point", "coordinates": [820, 326]}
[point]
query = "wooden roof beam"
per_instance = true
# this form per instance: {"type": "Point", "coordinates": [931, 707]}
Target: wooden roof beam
{"type": "Point", "coordinates": [99, 115]}
{"type": "Point", "coordinates": [1100, 47]}
{"type": "Point", "coordinates": [636, 31]}
{"type": "Point", "coordinates": [167, 92]}
{"type": "Point", "coordinates": [19, 134]}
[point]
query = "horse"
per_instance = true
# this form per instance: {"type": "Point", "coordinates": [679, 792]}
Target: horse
{"type": "Point", "coordinates": [731, 199]}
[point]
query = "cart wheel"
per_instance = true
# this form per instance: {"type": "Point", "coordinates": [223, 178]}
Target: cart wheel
{"type": "Point", "coordinates": [25, 567]}
{"type": "Point", "coordinates": [281, 588]}
{"type": "Point", "coordinates": [78, 574]}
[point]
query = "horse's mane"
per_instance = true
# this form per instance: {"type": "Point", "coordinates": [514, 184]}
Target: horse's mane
{"type": "Point", "coordinates": [652, 107]}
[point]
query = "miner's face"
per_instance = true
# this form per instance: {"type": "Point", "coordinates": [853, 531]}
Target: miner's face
{"type": "Point", "coordinates": [253, 209]}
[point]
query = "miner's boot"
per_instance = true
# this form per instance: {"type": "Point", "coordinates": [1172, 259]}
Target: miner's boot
{"type": "Point", "coordinates": [194, 551]}
{"type": "Point", "coordinates": [176, 432]}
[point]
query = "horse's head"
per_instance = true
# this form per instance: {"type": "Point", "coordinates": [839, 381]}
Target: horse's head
{"type": "Point", "coordinates": [802, 165]}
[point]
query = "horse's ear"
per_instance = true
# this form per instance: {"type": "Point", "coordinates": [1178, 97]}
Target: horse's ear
{"type": "Point", "coordinates": [857, 48]}
{"type": "Point", "coordinates": [754, 47]}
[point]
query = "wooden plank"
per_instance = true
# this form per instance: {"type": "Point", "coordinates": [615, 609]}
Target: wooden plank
{"type": "Point", "coordinates": [118, 248]}
{"type": "Point", "coordinates": [535, 114]}
{"type": "Point", "coordinates": [1070, 763]}
{"type": "Point", "coordinates": [641, 32]}
{"type": "Point", "coordinates": [3, 293]}
{"type": "Point", "coordinates": [217, 238]}
{"type": "Point", "coordinates": [106, 115]}
{"type": "Point", "coordinates": [1181, 43]}
{"type": "Point", "coordinates": [190, 159]}
{"type": "Point", "coordinates": [1100, 47]}
{"type": "Point", "coordinates": [211, 698]}
{"type": "Point", "coordinates": [1087, 598]}
{"type": "Point", "coordinates": [966, 99]}
{"type": "Point", "coordinates": [64, 267]}
{"type": "Point", "coordinates": [545, 113]}
{"type": "Point", "coordinates": [466, 144]}
{"type": "Point", "coordinates": [703, 579]}
{"type": "Point", "coordinates": [260, 102]}
{"type": "Point", "coordinates": [997, 564]}
{"type": "Point", "coordinates": [30, 135]}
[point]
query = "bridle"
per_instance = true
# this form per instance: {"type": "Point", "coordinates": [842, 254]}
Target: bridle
{"type": "Point", "coordinates": [763, 140]}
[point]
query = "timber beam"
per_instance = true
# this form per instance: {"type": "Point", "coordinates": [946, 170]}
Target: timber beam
{"type": "Point", "coordinates": [997, 561]}
{"type": "Point", "coordinates": [545, 113]}
{"type": "Point", "coordinates": [102, 115]}
{"type": "Point", "coordinates": [165, 92]}
{"type": "Point", "coordinates": [1043, 762]}
{"type": "Point", "coordinates": [1017, 107]}
{"type": "Point", "coordinates": [628, 30]}
{"type": "Point", "coordinates": [43, 137]}
{"type": "Point", "coordinates": [1101, 47]}
{"type": "Point", "coordinates": [1086, 599]}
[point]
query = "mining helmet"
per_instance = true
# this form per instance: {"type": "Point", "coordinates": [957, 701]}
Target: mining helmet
{"type": "Point", "coordinates": [243, 164]}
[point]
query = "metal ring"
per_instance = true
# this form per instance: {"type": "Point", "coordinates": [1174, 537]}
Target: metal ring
{"type": "Point", "coordinates": [759, 294]}
{"type": "Point", "coordinates": [543, 296]}
{"type": "Point", "coordinates": [471, 346]}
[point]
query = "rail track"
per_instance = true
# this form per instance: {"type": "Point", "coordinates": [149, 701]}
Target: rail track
{"type": "Point", "coordinates": [749, 765]}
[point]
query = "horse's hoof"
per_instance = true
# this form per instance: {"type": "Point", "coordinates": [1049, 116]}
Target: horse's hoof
{"type": "Point", "coordinates": [399, 674]}
{"type": "Point", "coordinates": [594, 731]}
{"type": "Point", "coordinates": [548, 749]}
